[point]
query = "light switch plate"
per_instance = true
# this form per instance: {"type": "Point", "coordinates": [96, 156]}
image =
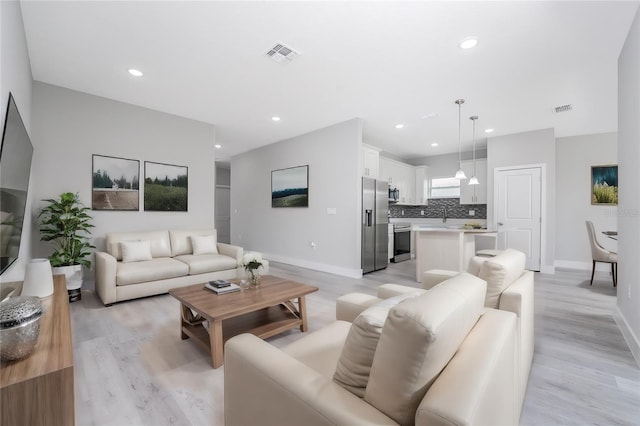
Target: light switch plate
{"type": "Point", "coordinates": [332, 210]}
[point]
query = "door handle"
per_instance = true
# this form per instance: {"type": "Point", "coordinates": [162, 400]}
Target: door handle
{"type": "Point", "coordinates": [500, 223]}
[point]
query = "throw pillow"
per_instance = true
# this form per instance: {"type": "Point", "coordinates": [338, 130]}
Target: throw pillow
{"type": "Point", "coordinates": [354, 364]}
{"type": "Point", "coordinates": [135, 251]}
{"type": "Point", "coordinates": [499, 272]}
{"type": "Point", "coordinates": [204, 244]}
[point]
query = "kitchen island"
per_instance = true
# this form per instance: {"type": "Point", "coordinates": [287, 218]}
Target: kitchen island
{"type": "Point", "coordinates": [443, 247]}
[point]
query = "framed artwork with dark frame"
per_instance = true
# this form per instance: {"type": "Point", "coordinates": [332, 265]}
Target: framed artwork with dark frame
{"type": "Point", "coordinates": [290, 187]}
{"type": "Point", "coordinates": [115, 183]}
{"type": "Point", "coordinates": [166, 187]}
{"type": "Point", "coordinates": [604, 185]}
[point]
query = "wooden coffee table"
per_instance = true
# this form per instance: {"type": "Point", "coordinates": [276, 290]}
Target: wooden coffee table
{"type": "Point", "coordinates": [264, 312]}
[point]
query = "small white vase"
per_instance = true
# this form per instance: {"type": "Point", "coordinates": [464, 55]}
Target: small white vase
{"type": "Point", "coordinates": [38, 279]}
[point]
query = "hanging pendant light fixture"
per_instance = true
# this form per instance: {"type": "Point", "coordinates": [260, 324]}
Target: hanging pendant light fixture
{"type": "Point", "coordinates": [460, 173]}
{"type": "Point", "coordinates": [474, 179]}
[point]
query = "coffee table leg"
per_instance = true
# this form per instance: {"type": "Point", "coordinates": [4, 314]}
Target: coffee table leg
{"type": "Point", "coordinates": [302, 307]}
{"type": "Point", "coordinates": [216, 343]}
{"type": "Point", "coordinates": [183, 309]}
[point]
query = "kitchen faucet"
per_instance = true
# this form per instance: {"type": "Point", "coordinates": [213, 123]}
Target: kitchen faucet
{"type": "Point", "coordinates": [444, 214]}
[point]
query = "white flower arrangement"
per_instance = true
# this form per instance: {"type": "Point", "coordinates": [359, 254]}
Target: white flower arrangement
{"type": "Point", "coordinates": [251, 261]}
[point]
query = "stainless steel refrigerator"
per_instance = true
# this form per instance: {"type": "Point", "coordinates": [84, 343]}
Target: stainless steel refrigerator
{"type": "Point", "coordinates": [375, 208]}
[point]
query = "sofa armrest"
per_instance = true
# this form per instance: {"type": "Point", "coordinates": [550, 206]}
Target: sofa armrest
{"type": "Point", "coordinates": [350, 305]}
{"type": "Point", "coordinates": [486, 363]}
{"type": "Point", "coordinates": [106, 268]}
{"type": "Point", "coordinates": [232, 251]}
{"type": "Point", "coordinates": [434, 277]}
{"type": "Point", "coordinates": [289, 392]}
{"type": "Point", "coordinates": [386, 291]}
{"type": "Point", "coordinates": [519, 299]}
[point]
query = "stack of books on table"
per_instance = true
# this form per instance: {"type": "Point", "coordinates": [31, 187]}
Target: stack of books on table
{"type": "Point", "coordinates": [222, 286]}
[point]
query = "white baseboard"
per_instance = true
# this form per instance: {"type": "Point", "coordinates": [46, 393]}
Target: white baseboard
{"type": "Point", "coordinates": [316, 266]}
{"type": "Point", "coordinates": [585, 266]}
{"type": "Point", "coordinates": [632, 340]}
{"type": "Point", "coordinates": [547, 269]}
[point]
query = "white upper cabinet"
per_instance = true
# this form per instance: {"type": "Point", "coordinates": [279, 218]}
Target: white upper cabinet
{"type": "Point", "coordinates": [422, 184]}
{"type": "Point", "coordinates": [474, 194]}
{"type": "Point", "coordinates": [371, 161]}
{"type": "Point", "coordinates": [403, 177]}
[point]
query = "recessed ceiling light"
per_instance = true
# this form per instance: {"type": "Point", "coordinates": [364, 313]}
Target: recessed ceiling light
{"type": "Point", "coordinates": [217, 146]}
{"type": "Point", "coordinates": [135, 72]}
{"type": "Point", "coordinates": [468, 43]}
{"type": "Point", "coordinates": [488, 130]}
{"type": "Point", "coordinates": [399, 126]}
{"type": "Point", "coordinates": [434, 144]}
{"type": "Point", "coordinates": [275, 118]}
{"type": "Point", "coordinates": [430, 115]}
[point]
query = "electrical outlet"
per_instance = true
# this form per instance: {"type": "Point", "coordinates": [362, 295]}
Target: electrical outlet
{"type": "Point", "coordinates": [402, 212]}
{"type": "Point", "coordinates": [422, 212]}
{"type": "Point", "coordinates": [313, 244]}
{"type": "Point", "coordinates": [472, 212]}
{"type": "Point", "coordinates": [629, 292]}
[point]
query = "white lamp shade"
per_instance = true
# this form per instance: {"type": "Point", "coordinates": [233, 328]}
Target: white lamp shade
{"type": "Point", "coordinates": [38, 279]}
{"type": "Point", "coordinates": [474, 181]}
{"type": "Point", "coordinates": [460, 175]}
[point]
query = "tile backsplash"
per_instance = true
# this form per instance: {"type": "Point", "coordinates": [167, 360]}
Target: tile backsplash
{"type": "Point", "coordinates": [435, 209]}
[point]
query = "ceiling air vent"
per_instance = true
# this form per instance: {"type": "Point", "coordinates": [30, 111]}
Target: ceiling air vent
{"type": "Point", "coordinates": [563, 108]}
{"type": "Point", "coordinates": [281, 53]}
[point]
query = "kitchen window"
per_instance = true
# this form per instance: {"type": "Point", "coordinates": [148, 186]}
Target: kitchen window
{"type": "Point", "coordinates": [447, 187]}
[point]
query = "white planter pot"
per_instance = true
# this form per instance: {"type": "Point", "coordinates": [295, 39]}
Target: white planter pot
{"type": "Point", "coordinates": [73, 274]}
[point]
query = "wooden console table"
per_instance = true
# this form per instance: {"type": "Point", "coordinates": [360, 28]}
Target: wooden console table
{"type": "Point", "coordinates": [38, 389]}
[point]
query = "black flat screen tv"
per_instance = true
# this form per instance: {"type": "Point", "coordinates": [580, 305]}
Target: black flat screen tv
{"type": "Point", "coordinates": [15, 166]}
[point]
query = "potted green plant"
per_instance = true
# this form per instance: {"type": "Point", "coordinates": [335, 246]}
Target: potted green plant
{"type": "Point", "coordinates": [66, 224]}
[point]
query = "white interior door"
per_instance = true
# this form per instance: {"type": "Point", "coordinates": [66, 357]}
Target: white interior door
{"type": "Point", "coordinates": [518, 212]}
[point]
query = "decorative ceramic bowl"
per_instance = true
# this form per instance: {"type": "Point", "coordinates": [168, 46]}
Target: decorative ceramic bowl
{"type": "Point", "coordinates": [19, 326]}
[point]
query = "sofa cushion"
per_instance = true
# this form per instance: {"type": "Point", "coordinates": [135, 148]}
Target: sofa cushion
{"type": "Point", "coordinates": [159, 241]}
{"type": "Point", "coordinates": [135, 251]}
{"type": "Point", "coordinates": [201, 263]}
{"type": "Point", "coordinates": [418, 339]}
{"type": "Point", "coordinates": [354, 364]}
{"type": "Point", "coordinates": [499, 272]}
{"type": "Point", "coordinates": [205, 244]}
{"type": "Point", "coordinates": [475, 264]}
{"type": "Point", "coordinates": [181, 239]}
{"type": "Point", "coordinates": [150, 270]}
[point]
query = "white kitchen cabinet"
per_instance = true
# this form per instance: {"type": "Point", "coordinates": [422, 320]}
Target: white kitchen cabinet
{"type": "Point", "coordinates": [371, 162]}
{"type": "Point", "coordinates": [387, 170]}
{"type": "Point", "coordinates": [421, 185]}
{"type": "Point", "coordinates": [401, 176]}
{"type": "Point", "coordinates": [474, 194]}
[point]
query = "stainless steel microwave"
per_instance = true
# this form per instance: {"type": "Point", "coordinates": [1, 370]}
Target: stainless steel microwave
{"type": "Point", "coordinates": [394, 195]}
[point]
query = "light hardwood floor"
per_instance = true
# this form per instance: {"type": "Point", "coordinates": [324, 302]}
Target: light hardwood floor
{"type": "Point", "coordinates": [131, 368]}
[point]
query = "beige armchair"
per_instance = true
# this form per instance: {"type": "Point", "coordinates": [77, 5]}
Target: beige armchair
{"type": "Point", "coordinates": [600, 254]}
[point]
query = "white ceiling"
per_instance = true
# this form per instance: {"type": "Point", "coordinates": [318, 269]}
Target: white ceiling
{"type": "Point", "coordinates": [387, 62]}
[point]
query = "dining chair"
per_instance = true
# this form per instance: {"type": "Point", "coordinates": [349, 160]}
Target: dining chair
{"type": "Point", "coordinates": [600, 254]}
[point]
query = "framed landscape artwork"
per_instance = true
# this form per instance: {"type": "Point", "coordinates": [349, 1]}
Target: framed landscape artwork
{"type": "Point", "coordinates": [115, 183]}
{"type": "Point", "coordinates": [166, 187]}
{"type": "Point", "coordinates": [604, 185]}
{"type": "Point", "coordinates": [290, 187]}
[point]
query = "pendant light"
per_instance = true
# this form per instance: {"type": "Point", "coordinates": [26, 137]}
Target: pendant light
{"type": "Point", "coordinates": [474, 179]}
{"type": "Point", "coordinates": [460, 173]}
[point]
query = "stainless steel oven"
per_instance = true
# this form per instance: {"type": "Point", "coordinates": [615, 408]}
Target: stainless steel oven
{"type": "Point", "coordinates": [401, 242]}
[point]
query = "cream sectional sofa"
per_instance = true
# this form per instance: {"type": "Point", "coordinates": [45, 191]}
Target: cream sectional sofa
{"type": "Point", "coordinates": [510, 287]}
{"type": "Point", "coordinates": [438, 358]}
{"type": "Point", "coordinates": [138, 264]}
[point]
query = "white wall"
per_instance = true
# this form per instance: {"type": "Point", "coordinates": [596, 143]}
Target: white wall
{"type": "Point", "coordinates": [445, 165]}
{"type": "Point", "coordinates": [628, 314]}
{"type": "Point", "coordinates": [574, 158]}
{"type": "Point", "coordinates": [70, 126]}
{"type": "Point", "coordinates": [15, 77]}
{"type": "Point", "coordinates": [285, 234]}
{"type": "Point", "coordinates": [535, 147]}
